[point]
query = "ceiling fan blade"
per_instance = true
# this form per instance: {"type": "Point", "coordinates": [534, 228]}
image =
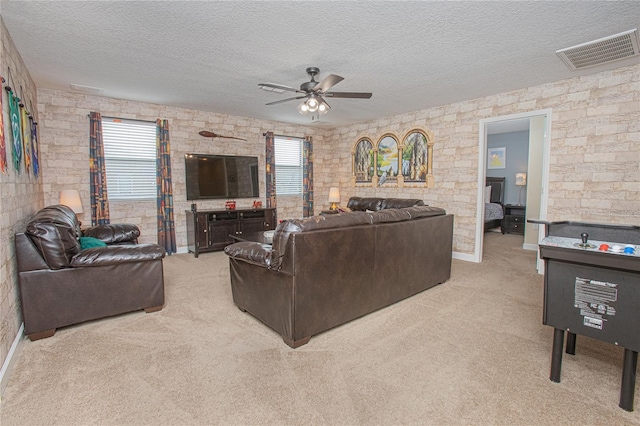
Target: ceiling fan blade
{"type": "Point", "coordinates": [327, 83]}
{"type": "Point", "coordinates": [278, 88]}
{"type": "Point", "coordinates": [359, 95]}
{"type": "Point", "coordinates": [286, 100]}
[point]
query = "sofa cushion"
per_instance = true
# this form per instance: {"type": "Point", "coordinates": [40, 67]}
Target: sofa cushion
{"type": "Point", "coordinates": [114, 233]}
{"type": "Point", "coordinates": [90, 242]}
{"type": "Point", "coordinates": [286, 228]}
{"type": "Point", "coordinates": [424, 211]}
{"type": "Point", "coordinates": [407, 213]}
{"type": "Point", "coordinates": [364, 204]}
{"type": "Point", "coordinates": [54, 230]}
{"type": "Point", "coordinates": [117, 254]}
{"type": "Point", "coordinates": [399, 203]}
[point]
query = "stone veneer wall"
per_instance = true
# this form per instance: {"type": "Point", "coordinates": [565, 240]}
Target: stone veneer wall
{"type": "Point", "coordinates": [595, 151]}
{"type": "Point", "coordinates": [21, 195]}
{"type": "Point", "coordinates": [65, 153]}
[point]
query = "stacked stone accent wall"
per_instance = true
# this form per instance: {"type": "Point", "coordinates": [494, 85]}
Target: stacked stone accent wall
{"type": "Point", "coordinates": [594, 171]}
{"type": "Point", "coordinates": [65, 136]}
{"type": "Point", "coordinates": [21, 196]}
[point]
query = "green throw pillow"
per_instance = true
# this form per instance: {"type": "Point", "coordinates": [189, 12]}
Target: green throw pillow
{"type": "Point", "coordinates": [90, 242]}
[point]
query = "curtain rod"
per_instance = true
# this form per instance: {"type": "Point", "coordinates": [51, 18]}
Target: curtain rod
{"type": "Point", "coordinates": [125, 119]}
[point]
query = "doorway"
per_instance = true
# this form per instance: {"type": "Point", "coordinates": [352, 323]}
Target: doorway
{"type": "Point", "coordinates": [539, 125]}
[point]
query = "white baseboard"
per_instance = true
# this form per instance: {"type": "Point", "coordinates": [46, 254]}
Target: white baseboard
{"type": "Point", "coordinates": [464, 256]}
{"type": "Point", "coordinates": [8, 362]}
{"type": "Point", "coordinates": [529, 246]}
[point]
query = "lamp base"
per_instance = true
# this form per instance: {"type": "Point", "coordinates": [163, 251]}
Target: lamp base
{"type": "Point", "coordinates": [334, 206]}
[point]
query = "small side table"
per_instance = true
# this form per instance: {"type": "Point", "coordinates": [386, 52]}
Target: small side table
{"type": "Point", "coordinates": [514, 219]}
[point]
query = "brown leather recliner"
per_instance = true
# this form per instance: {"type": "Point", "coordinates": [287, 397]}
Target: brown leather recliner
{"type": "Point", "coordinates": [60, 284]}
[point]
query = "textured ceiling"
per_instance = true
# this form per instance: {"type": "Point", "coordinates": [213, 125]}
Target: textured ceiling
{"type": "Point", "coordinates": [211, 55]}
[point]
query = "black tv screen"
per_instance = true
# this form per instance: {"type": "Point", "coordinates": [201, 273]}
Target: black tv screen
{"type": "Point", "coordinates": [221, 176]}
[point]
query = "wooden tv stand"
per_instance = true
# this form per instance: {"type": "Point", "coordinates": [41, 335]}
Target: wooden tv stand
{"type": "Point", "coordinates": [210, 230]}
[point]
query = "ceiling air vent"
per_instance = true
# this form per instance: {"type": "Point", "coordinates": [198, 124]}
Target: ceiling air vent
{"type": "Point", "coordinates": [601, 51]}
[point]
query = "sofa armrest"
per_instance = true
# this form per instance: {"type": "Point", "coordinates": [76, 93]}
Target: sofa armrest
{"type": "Point", "coordinates": [117, 254]}
{"type": "Point", "coordinates": [250, 252]}
{"type": "Point", "coordinates": [116, 233]}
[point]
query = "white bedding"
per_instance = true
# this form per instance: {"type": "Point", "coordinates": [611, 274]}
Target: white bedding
{"type": "Point", "coordinates": [493, 211]}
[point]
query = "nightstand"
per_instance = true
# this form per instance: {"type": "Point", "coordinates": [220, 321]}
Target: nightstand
{"type": "Point", "coordinates": [513, 222]}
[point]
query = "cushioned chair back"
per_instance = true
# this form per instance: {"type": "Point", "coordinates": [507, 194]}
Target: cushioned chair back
{"type": "Point", "coordinates": [55, 231]}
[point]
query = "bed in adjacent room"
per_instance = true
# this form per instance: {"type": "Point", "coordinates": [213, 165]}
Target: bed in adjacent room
{"type": "Point", "coordinates": [493, 202]}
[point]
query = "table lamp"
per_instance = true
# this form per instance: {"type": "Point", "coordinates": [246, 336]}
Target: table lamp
{"type": "Point", "coordinates": [521, 181]}
{"type": "Point", "coordinates": [334, 198]}
{"type": "Point", "coordinates": [71, 198]}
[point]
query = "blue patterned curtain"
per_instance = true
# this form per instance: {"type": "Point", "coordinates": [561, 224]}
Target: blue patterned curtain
{"type": "Point", "coordinates": [307, 177]}
{"type": "Point", "coordinates": [97, 172]}
{"type": "Point", "coordinates": [166, 225]}
{"type": "Point", "coordinates": [270, 167]}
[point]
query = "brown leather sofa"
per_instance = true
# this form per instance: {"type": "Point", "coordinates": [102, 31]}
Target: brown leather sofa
{"type": "Point", "coordinates": [324, 271]}
{"type": "Point", "coordinates": [60, 284]}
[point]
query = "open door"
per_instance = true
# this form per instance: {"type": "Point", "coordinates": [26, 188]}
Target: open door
{"type": "Point", "coordinates": [537, 176]}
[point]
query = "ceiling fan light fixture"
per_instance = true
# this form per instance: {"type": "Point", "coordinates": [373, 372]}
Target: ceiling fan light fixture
{"type": "Point", "coordinates": [312, 104]}
{"type": "Point", "coordinates": [303, 108]}
{"type": "Point", "coordinates": [323, 108]}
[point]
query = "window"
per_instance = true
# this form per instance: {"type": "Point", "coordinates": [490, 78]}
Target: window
{"type": "Point", "coordinates": [288, 153]}
{"type": "Point", "coordinates": [130, 158]}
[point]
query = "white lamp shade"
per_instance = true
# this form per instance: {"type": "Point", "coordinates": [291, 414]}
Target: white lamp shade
{"type": "Point", "coordinates": [71, 198]}
{"type": "Point", "coordinates": [334, 195]}
{"type": "Point", "coordinates": [521, 179]}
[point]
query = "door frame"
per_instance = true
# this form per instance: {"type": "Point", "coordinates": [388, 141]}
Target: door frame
{"type": "Point", "coordinates": [482, 174]}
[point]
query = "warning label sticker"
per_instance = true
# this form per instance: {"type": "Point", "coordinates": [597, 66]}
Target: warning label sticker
{"type": "Point", "coordinates": [596, 300]}
{"type": "Point", "coordinates": [593, 322]}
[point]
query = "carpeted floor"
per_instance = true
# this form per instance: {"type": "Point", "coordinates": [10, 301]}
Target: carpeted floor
{"type": "Point", "coordinates": [470, 351]}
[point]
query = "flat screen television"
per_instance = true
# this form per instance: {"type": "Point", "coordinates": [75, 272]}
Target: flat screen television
{"type": "Point", "coordinates": [221, 176]}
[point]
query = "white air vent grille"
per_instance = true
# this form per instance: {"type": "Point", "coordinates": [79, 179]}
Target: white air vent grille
{"type": "Point", "coordinates": [601, 51]}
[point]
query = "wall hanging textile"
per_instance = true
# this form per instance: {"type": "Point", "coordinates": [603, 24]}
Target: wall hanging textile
{"type": "Point", "coordinates": [35, 149]}
{"type": "Point", "coordinates": [26, 137]}
{"type": "Point", "coordinates": [14, 116]}
{"type": "Point", "coordinates": [3, 147]}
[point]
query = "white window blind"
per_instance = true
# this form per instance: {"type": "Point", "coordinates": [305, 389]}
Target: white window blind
{"type": "Point", "coordinates": [130, 158]}
{"type": "Point", "coordinates": [288, 153]}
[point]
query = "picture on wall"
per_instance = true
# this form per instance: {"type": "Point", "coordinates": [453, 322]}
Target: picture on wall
{"type": "Point", "coordinates": [387, 167]}
{"type": "Point", "coordinates": [414, 158]}
{"type": "Point", "coordinates": [363, 161]}
{"type": "Point", "coordinates": [497, 158]}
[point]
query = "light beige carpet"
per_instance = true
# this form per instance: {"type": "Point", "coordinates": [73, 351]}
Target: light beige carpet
{"type": "Point", "coordinates": [470, 351]}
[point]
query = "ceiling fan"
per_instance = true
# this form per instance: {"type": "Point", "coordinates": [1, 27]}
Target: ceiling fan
{"type": "Point", "coordinates": [313, 92]}
{"type": "Point", "coordinates": [208, 134]}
